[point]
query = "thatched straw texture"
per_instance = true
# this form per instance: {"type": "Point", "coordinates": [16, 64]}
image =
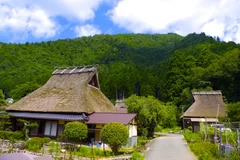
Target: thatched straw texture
{"type": "Point", "coordinates": [66, 93]}
{"type": "Point", "coordinates": [206, 104]}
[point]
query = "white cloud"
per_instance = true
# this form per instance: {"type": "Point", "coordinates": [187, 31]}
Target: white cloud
{"type": "Point", "coordinates": [38, 17]}
{"type": "Point", "coordinates": [87, 30]}
{"type": "Point", "coordinates": [81, 10]}
{"type": "Point", "coordinates": [214, 17]}
{"type": "Point", "coordinates": [33, 20]}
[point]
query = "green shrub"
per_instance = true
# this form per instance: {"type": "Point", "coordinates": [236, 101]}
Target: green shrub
{"type": "Point", "coordinates": [34, 144]}
{"type": "Point", "coordinates": [115, 134]}
{"type": "Point", "coordinates": [51, 147]}
{"type": "Point", "coordinates": [142, 141]}
{"type": "Point", "coordinates": [233, 155]}
{"type": "Point", "coordinates": [191, 137]}
{"type": "Point", "coordinates": [33, 147]}
{"type": "Point", "coordinates": [158, 129]}
{"type": "Point", "coordinates": [204, 149]}
{"type": "Point", "coordinates": [46, 140]}
{"type": "Point", "coordinates": [137, 156]}
{"type": "Point", "coordinates": [11, 135]}
{"type": "Point", "coordinates": [75, 131]}
{"type": "Point", "coordinates": [17, 135]}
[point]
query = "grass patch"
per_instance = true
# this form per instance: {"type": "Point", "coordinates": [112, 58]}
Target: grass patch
{"type": "Point", "coordinates": [84, 151]}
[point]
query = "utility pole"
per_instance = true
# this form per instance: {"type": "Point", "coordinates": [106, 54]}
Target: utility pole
{"type": "Point", "coordinates": [183, 125]}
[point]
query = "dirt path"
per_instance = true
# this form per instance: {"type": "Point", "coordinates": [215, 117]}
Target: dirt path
{"type": "Point", "coordinates": [169, 147]}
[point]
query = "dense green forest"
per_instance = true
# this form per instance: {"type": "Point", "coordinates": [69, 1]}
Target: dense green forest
{"type": "Point", "coordinates": [167, 66]}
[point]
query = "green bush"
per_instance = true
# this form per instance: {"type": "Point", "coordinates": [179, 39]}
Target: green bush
{"type": "Point", "coordinates": [137, 156]}
{"type": "Point", "coordinates": [34, 144]}
{"type": "Point", "coordinates": [204, 150]}
{"type": "Point", "coordinates": [158, 129]}
{"type": "Point", "coordinates": [115, 134]}
{"type": "Point", "coordinates": [191, 137]}
{"type": "Point", "coordinates": [46, 140]}
{"type": "Point", "coordinates": [17, 135]}
{"type": "Point", "coordinates": [75, 131]}
{"type": "Point", "coordinates": [33, 147]}
{"type": "Point", "coordinates": [11, 135]}
{"type": "Point", "coordinates": [51, 147]}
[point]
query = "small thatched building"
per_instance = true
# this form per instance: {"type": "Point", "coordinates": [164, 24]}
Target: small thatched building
{"type": "Point", "coordinates": [69, 95]}
{"type": "Point", "coordinates": [207, 107]}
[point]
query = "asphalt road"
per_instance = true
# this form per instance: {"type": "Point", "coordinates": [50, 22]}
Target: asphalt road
{"type": "Point", "coordinates": [169, 147]}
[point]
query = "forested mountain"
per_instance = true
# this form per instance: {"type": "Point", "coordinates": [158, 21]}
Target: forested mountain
{"type": "Point", "coordinates": [168, 66]}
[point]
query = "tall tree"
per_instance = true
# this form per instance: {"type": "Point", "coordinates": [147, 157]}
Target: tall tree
{"type": "Point", "coordinates": [233, 111]}
{"type": "Point", "coordinates": [151, 112]}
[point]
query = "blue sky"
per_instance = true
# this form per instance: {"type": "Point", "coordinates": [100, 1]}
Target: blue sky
{"type": "Point", "coordinates": [44, 20]}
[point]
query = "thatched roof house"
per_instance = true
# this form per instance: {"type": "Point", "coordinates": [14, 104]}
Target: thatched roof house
{"type": "Point", "coordinates": [207, 107]}
{"type": "Point", "coordinates": [68, 90]}
{"type": "Point", "coordinates": [206, 104]}
{"type": "Point", "coordinates": [69, 95]}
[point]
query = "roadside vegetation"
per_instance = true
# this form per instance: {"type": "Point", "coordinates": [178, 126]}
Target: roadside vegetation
{"type": "Point", "coordinates": [203, 146]}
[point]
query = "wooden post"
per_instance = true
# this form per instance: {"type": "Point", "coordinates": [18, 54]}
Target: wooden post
{"type": "Point", "coordinates": [183, 126]}
{"type": "Point", "coordinates": [221, 136]}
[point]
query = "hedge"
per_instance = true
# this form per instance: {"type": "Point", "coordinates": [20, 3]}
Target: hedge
{"type": "Point", "coordinates": [9, 134]}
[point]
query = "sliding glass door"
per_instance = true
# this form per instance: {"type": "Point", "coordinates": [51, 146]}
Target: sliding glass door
{"type": "Point", "coordinates": [51, 128]}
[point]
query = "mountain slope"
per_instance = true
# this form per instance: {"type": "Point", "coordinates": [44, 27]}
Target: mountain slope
{"type": "Point", "coordinates": [168, 66]}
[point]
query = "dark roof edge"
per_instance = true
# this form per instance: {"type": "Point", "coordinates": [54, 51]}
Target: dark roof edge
{"type": "Point", "coordinates": [111, 113]}
{"type": "Point", "coordinates": [46, 112]}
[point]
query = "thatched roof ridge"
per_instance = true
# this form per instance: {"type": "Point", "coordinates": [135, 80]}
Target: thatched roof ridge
{"type": "Point", "coordinates": [206, 104]}
{"type": "Point", "coordinates": [74, 70]}
{"type": "Point", "coordinates": [67, 91]}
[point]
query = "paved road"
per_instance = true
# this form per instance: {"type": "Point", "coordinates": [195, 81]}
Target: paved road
{"type": "Point", "coordinates": [169, 147]}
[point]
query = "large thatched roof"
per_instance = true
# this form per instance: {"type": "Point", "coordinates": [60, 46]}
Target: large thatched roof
{"type": "Point", "coordinates": [76, 90]}
{"type": "Point", "coordinates": [206, 104]}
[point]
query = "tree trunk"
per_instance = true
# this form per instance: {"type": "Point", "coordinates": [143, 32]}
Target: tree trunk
{"type": "Point", "coordinates": [151, 132]}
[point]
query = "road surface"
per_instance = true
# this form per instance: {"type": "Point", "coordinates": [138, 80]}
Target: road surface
{"type": "Point", "coordinates": [169, 147]}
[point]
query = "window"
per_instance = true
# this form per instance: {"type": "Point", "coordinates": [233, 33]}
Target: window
{"type": "Point", "coordinates": [51, 128]}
